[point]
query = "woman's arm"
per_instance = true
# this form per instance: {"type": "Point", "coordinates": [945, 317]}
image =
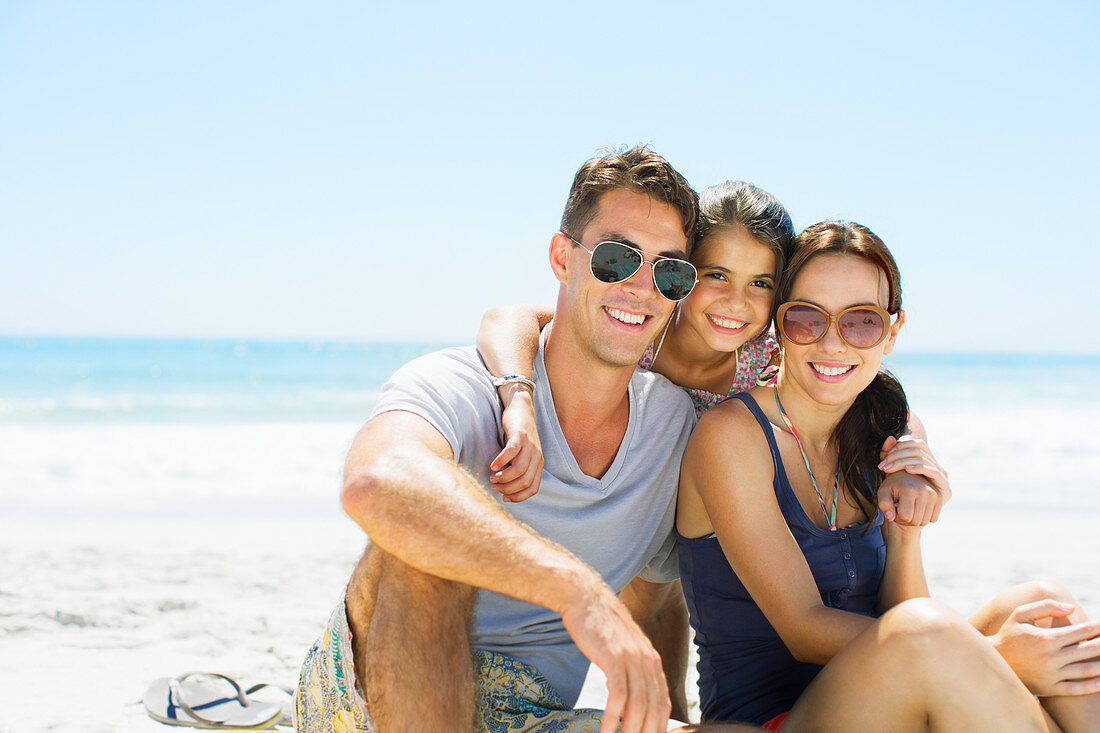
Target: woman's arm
{"type": "Point", "coordinates": [508, 341]}
{"type": "Point", "coordinates": [727, 468]}
{"type": "Point", "coordinates": [903, 577]}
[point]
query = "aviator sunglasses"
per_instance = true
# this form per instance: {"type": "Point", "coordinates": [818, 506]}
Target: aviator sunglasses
{"type": "Point", "coordinates": [861, 326]}
{"type": "Point", "coordinates": [614, 262]}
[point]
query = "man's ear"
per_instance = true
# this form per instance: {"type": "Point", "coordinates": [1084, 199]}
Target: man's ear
{"type": "Point", "coordinates": [893, 335]}
{"type": "Point", "coordinates": [561, 248]}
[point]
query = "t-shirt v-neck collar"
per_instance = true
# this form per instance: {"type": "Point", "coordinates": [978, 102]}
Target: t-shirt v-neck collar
{"type": "Point", "coordinates": [556, 451]}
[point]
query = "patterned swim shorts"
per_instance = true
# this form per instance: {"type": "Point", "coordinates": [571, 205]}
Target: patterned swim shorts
{"type": "Point", "coordinates": [512, 696]}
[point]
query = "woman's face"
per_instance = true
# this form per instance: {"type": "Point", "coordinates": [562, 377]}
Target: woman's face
{"type": "Point", "coordinates": [732, 301]}
{"type": "Point", "coordinates": [830, 371]}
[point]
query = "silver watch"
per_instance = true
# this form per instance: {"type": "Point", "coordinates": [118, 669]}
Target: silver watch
{"type": "Point", "coordinates": [510, 378]}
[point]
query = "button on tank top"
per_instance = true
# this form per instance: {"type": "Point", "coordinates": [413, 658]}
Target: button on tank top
{"type": "Point", "coordinates": [745, 671]}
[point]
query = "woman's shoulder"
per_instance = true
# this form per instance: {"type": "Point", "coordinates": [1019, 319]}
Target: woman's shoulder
{"type": "Point", "coordinates": [732, 424]}
{"type": "Point", "coordinates": [728, 455]}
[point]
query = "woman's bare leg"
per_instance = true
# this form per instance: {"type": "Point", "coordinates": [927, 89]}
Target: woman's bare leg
{"type": "Point", "coordinates": [920, 667]}
{"type": "Point", "coordinates": [1073, 712]}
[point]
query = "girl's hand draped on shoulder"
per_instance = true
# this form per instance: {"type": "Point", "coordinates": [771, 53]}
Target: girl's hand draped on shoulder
{"type": "Point", "coordinates": [517, 469]}
{"type": "Point", "coordinates": [916, 486]}
{"type": "Point", "coordinates": [508, 342]}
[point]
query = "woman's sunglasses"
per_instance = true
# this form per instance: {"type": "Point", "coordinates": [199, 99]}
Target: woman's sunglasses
{"type": "Point", "coordinates": [861, 326]}
{"type": "Point", "coordinates": [614, 262]}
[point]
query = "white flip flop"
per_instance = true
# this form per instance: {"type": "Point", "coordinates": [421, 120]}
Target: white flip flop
{"type": "Point", "coordinates": [208, 700]}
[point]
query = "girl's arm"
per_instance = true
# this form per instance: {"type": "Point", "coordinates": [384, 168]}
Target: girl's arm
{"type": "Point", "coordinates": [727, 474]}
{"type": "Point", "coordinates": [508, 338]}
{"type": "Point", "coordinates": [508, 341]}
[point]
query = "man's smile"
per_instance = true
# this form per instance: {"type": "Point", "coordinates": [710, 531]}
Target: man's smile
{"type": "Point", "coordinates": [626, 317]}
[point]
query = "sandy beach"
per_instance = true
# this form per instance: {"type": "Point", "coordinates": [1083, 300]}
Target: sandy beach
{"type": "Point", "coordinates": [92, 611]}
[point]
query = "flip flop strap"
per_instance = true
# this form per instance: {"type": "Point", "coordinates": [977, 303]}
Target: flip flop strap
{"type": "Point", "coordinates": [262, 685]}
{"type": "Point", "coordinates": [175, 697]}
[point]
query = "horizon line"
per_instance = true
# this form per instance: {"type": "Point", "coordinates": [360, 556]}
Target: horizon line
{"type": "Point", "coordinates": [441, 342]}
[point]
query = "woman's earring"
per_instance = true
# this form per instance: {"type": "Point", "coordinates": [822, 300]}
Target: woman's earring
{"type": "Point", "coordinates": [770, 373]}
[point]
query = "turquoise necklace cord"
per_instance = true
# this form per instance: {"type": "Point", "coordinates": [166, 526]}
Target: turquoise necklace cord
{"type": "Point", "coordinates": [830, 518]}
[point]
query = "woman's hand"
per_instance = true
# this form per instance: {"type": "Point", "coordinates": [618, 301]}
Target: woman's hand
{"type": "Point", "coordinates": [517, 470]}
{"type": "Point", "coordinates": [1059, 660]}
{"type": "Point", "coordinates": [916, 486]}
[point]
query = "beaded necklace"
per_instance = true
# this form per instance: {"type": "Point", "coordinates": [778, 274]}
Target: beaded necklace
{"type": "Point", "coordinates": [830, 518]}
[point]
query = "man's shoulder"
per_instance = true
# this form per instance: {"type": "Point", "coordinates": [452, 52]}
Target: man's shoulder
{"type": "Point", "coordinates": [451, 357]}
{"type": "Point", "coordinates": [657, 392]}
{"type": "Point", "coordinates": [452, 390]}
{"type": "Point", "coordinates": [452, 365]}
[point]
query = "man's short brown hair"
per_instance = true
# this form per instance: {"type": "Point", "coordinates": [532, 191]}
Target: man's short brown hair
{"type": "Point", "coordinates": [636, 169]}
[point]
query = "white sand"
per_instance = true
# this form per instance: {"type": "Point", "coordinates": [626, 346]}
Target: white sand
{"type": "Point", "coordinates": [92, 611]}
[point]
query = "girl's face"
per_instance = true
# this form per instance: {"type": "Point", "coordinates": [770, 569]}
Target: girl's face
{"type": "Point", "coordinates": [732, 301]}
{"type": "Point", "coordinates": [830, 370]}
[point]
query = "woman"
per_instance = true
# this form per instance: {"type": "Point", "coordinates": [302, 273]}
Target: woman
{"type": "Point", "coordinates": [786, 562]}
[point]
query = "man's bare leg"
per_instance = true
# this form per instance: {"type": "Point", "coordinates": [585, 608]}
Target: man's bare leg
{"type": "Point", "coordinates": [410, 644]}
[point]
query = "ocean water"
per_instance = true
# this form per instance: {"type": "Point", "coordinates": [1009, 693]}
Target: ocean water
{"type": "Point", "coordinates": [207, 428]}
{"type": "Point", "coordinates": [60, 381]}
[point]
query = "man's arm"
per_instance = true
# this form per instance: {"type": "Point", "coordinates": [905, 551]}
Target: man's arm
{"type": "Point", "coordinates": [660, 610]}
{"type": "Point", "coordinates": [402, 487]}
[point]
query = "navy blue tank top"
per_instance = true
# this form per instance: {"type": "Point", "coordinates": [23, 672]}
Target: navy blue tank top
{"type": "Point", "coordinates": [745, 671]}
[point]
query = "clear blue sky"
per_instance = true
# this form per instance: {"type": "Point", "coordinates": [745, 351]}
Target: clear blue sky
{"type": "Point", "coordinates": [369, 171]}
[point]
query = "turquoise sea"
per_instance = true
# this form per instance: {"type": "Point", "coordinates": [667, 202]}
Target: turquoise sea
{"type": "Point", "coordinates": [146, 426]}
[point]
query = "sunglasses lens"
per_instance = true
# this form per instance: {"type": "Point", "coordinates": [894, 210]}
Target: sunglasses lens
{"type": "Point", "coordinates": [804, 324]}
{"type": "Point", "coordinates": [674, 278]}
{"type": "Point", "coordinates": [613, 262]}
{"type": "Point", "coordinates": [861, 328]}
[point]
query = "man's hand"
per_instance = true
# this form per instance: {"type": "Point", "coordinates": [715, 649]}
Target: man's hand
{"type": "Point", "coordinates": [1060, 660]}
{"type": "Point", "coordinates": [604, 631]}
{"type": "Point", "coordinates": [517, 470]}
{"type": "Point", "coordinates": [916, 486]}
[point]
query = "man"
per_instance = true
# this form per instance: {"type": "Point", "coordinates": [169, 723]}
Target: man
{"type": "Point", "coordinates": [543, 574]}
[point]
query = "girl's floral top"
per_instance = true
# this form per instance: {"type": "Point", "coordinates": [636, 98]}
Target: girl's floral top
{"type": "Point", "coordinates": [751, 366]}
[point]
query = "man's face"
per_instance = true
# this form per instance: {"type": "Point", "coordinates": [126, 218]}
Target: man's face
{"type": "Point", "coordinates": [615, 322]}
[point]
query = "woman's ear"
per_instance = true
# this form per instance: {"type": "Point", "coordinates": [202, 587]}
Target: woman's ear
{"type": "Point", "coordinates": [893, 335]}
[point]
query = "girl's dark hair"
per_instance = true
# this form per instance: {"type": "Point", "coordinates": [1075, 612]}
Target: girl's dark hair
{"type": "Point", "coordinates": [881, 409]}
{"type": "Point", "coordinates": [738, 204]}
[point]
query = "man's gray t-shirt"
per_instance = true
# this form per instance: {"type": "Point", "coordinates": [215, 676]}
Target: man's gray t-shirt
{"type": "Point", "coordinates": [620, 524]}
